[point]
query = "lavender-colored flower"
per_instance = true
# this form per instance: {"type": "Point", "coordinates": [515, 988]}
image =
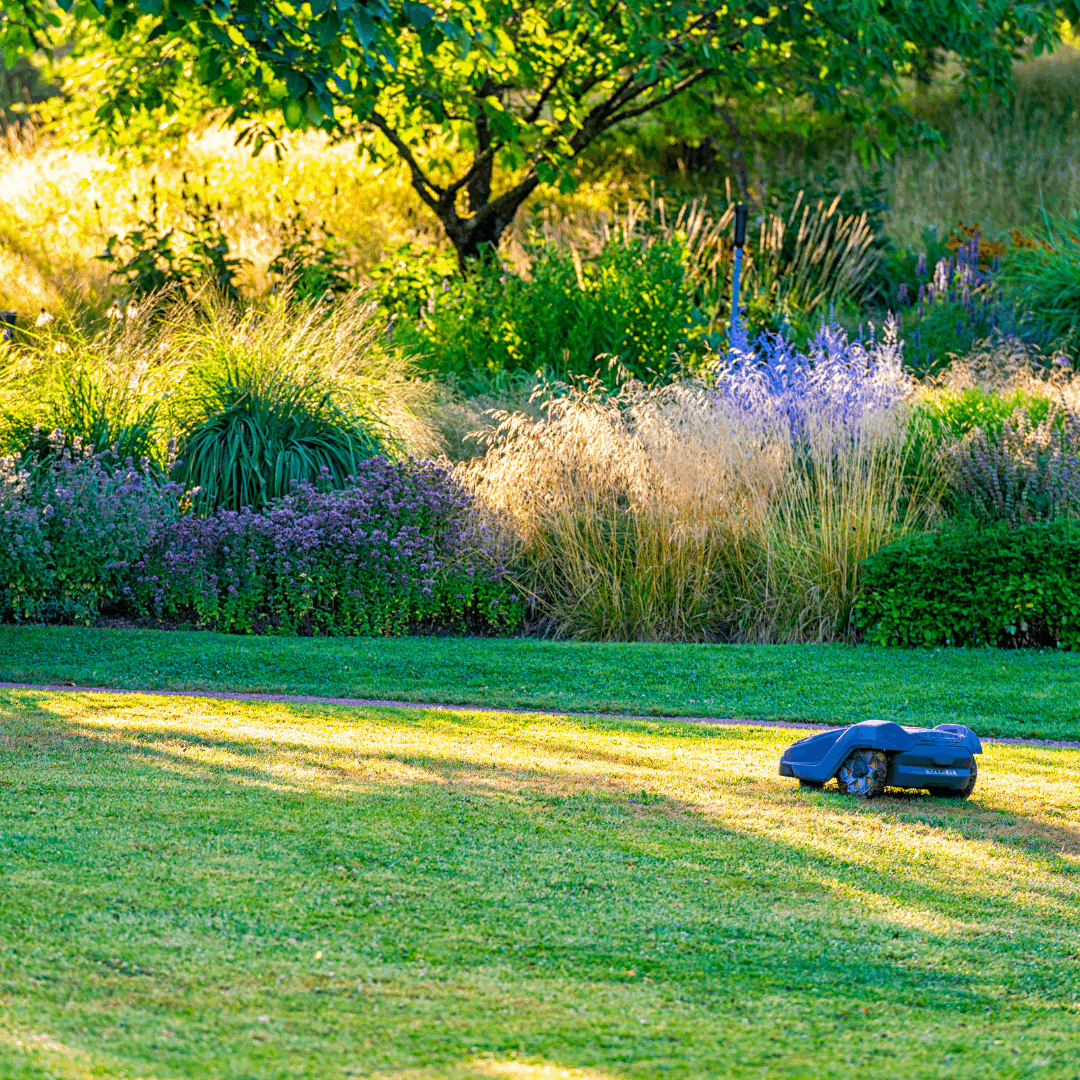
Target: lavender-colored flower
{"type": "Point", "coordinates": [920, 266]}
{"type": "Point", "coordinates": [902, 293]}
{"type": "Point", "coordinates": [393, 549]}
{"type": "Point", "coordinates": [835, 381]}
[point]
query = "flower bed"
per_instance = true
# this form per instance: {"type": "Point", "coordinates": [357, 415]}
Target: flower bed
{"type": "Point", "coordinates": [399, 548]}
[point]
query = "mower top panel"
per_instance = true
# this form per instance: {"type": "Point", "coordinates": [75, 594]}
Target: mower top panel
{"type": "Point", "coordinates": [818, 757]}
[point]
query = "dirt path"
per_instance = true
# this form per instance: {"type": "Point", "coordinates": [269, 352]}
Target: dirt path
{"type": "Point", "coordinates": [307, 699]}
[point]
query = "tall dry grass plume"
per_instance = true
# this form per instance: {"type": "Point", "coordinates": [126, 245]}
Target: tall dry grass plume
{"type": "Point", "coordinates": [676, 513]}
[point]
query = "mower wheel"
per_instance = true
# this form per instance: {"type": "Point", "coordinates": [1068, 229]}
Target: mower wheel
{"type": "Point", "coordinates": [863, 774]}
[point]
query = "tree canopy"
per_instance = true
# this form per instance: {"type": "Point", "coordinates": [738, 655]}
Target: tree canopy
{"type": "Point", "coordinates": [484, 100]}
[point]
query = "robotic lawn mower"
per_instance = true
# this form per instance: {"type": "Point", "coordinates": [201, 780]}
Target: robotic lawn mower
{"type": "Point", "coordinates": [868, 757]}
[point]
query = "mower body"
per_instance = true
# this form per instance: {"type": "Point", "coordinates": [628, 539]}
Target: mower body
{"type": "Point", "coordinates": [940, 759]}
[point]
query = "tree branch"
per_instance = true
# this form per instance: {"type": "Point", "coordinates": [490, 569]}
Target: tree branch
{"type": "Point", "coordinates": [686, 83]}
{"type": "Point", "coordinates": [533, 115]}
{"type": "Point", "coordinates": [421, 184]}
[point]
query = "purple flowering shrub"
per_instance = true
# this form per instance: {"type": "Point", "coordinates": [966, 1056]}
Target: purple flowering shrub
{"type": "Point", "coordinates": [71, 524]}
{"type": "Point", "coordinates": [1028, 471]}
{"type": "Point", "coordinates": [829, 389]}
{"type": "Point", "coordinates": [398, 548]}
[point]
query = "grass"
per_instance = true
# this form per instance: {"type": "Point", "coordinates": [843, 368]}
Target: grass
{"type": "Point", "coordinates": [1026, 693]}
{"type": "Point", "coordinates": [219, 889]}
{"type": "Point", "coordinates": [999, 167]}
{"type": "Point", "coordinates": [677, 513]}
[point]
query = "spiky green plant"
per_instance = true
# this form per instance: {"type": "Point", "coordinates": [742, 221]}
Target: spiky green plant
{"type": "Point", "coordinates": [102, 388]}
{"type": "Point", "coordinates": [257, 427]}
{"type": "Point", "coordinates": [1046, 278]}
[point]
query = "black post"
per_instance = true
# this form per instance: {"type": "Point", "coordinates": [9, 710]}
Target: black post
{"type": "Point", "coordinates": [741, 214]}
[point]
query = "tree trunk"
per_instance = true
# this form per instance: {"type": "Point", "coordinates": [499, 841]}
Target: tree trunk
{"type": "Point", "coordinates": [482, 230]}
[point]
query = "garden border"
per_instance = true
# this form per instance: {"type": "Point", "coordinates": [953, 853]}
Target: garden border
{"type": "Point", "coordinates": [309, 699]}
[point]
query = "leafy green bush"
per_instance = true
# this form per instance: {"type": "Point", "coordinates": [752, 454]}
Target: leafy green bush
{"type": "Point", "coordinates": [954, 413]}
{"type": "Point", "coordinates": [411, 277]}
{"type": "Point", "coordinates": [310, 264]}
{"type": "Point", "coordinates": [631, 302]}
{"type": "Point", "coordinates": [71, 526]}
{"type": "Point", "coordinates": [1005, 586]}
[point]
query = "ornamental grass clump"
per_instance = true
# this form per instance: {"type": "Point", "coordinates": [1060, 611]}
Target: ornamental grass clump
{"type": "Point", "coordinates": [72, 523]}
{"type": "Point", "coordinates": [278, 394]}
{"type": "Point", "coordinates": [626, 505]}
{"type": "Point", "coordinates": [732, 506]}
{"type": "Point", "coordinates": [105, 383]}
{"type": "Point", "coordinates": [257, 396]}
{"type": "Point", "coordinates": [400, 547]}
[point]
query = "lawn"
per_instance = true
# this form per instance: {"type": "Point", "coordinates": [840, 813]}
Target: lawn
{"type": "Point", "coordinates": [1028, 694]}
{"type": "Point", "coordinates": [225, 889]}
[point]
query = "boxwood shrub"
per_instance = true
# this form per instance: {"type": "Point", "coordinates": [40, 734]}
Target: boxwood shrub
{"type": "Point", "coordinates": [1004, 586]}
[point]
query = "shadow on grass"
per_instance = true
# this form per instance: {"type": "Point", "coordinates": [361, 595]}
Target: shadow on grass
{"type": "Point", "coordinates": [538, 870]}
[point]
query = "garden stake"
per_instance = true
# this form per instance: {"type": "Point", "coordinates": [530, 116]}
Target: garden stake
{"type": "Point", "coordinates": [740, 238]}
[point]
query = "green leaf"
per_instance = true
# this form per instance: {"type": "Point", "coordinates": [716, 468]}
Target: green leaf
{"type": "Point", "coordinates": [418, 14]}
{"type": "Point", "coordinates": [294, 113]}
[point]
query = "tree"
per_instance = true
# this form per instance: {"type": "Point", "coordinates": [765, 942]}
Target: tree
{"type": "Point", "coordinates": [484, 100]}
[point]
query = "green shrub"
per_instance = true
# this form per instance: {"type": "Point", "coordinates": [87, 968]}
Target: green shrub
{"type": "Point", "coordinates": [630, 303]}
{"type": "Point", "coordinates": [412, 277]}
{"type": "Point", "coordinates": [311, 264]}
{"type": "Point", "coordinates": [1005, 586]}
{"type": "Point", "coordinates": [955, 413]}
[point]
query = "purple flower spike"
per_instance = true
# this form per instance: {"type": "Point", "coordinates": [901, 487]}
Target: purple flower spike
{"type": "Point", "coordinates": [837, 378]}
